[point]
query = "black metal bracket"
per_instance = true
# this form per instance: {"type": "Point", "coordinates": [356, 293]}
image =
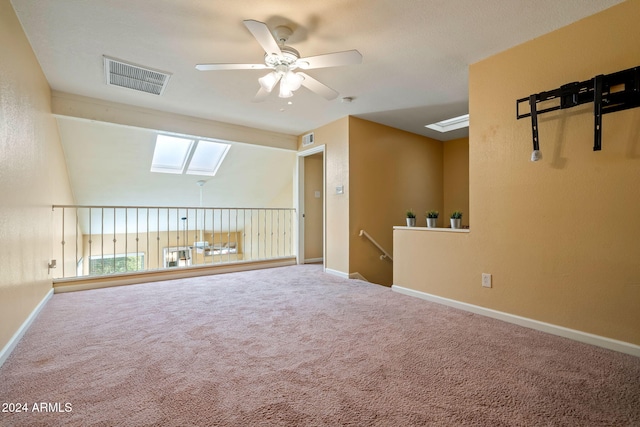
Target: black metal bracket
{"type": "Point", "coordinates": [609, 93]}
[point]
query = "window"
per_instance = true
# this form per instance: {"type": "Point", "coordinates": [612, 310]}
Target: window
{"type": "Point", "coordinates": [179, 155]}
{"type": "Point", "coordinates": [450, 124]}
{"type": "Point", "coordinates": [119, 263]}
{"type": "Point", "coordinates": [170, 154]}
{"type": "Point", "coordinates": [207, 158]}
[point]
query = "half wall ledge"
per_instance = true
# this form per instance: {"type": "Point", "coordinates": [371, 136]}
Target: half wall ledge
{"type": "Point", "coordinates": [446, 230]}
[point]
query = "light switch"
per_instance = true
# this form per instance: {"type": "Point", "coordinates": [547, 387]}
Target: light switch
{"type": "Point", "coordinates": [340, 189]}
{"type": "Point", "coordinates": [317, 194]}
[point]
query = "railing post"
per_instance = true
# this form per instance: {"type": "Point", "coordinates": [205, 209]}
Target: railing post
{"type": "Point", "coordinates": [63, 242]}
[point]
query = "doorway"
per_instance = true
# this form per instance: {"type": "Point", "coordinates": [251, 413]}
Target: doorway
{"type": "Point", "coordinates": [311, 206]}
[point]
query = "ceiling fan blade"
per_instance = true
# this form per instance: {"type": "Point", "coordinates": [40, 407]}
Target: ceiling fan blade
{"type": "Point", "coordinates": [217, 67]}
{"type": "Point", "coordinates": [263, 35]}
{"type": "Point", "coordinates": [317, 87]}
{"type": "Point", "coordinates": [261, 95]}
{"type": "Point", "coordinates": [349, 57]}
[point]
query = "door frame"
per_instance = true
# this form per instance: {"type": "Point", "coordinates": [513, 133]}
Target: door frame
{"type": "Point", "coordinates": [300, 201]}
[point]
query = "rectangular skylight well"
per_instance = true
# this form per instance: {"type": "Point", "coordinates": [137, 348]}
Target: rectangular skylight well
{"type": "Point", "coordinates": [207, 158]}
{"type": "Point", "coordinates": [179, 155]}
{"type": "Point", "coordinates": [450, 124]}
{"type": "Point", "coordinates": [171, 154]}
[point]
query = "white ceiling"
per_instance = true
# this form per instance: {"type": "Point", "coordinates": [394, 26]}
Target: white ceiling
{"type": "Point", "coordinates": [414, 72]}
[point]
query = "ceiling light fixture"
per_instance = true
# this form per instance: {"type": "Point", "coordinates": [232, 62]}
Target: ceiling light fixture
{"type": "Point", "coordinates": [450, 124]}
{"type": "Point", "coordinates": [289, 81]}
{"type": "Point", "coordinates": [269, 81]}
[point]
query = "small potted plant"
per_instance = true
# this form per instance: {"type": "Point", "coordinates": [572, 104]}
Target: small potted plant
{"type": "Point", "coordinates": [432, 219]}
{"type": "Point", "coordinates": [456, 219]}
{"type": "Point", "coordinates": [411, 218]}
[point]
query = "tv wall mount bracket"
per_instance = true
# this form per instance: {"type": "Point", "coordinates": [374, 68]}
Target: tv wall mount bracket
{"type": "Point", "coordinates": [609, 93]}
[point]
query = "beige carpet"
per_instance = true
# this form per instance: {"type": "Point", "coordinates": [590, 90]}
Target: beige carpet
{"type": "Point", "coordinates": [295, 346]}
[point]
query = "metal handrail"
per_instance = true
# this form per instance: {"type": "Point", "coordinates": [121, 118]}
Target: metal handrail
{"type": "Point", "coordinates": [385, 254]}
{"type": "Point", "coordinates": [95, 240]}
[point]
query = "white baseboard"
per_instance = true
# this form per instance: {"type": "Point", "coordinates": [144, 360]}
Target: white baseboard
{"type": "Point", "coordinates": [336, 273]}
{"type": "Point", "coordinates": [167, 274]}
{"type": "Point", "coordinates": [313, 260]}
{"type": "Point", "coordinates": [585, 337]}
{"type": "Point", "coordinates": [13, 342]}
{"type": "Point", "coordinates": [357, 276]}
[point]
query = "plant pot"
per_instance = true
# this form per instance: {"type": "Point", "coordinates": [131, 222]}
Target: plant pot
{"type": "Point", "coordinates": [432, 222]}
{"type": "Point", "coordinates": [456, 222]}
{"type": "Point", "coordinates": [411, 222]}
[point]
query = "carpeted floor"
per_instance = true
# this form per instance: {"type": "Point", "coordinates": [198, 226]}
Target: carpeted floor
{"type": "Point", "coordinates": [295, 346]}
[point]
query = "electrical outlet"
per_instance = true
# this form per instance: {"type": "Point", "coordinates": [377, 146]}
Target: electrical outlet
{"type": "Point", "coordinates": [486, 280]}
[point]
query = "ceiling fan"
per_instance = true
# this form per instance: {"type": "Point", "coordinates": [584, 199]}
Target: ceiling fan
{"type": "Point", "coordinates": [283, 61]}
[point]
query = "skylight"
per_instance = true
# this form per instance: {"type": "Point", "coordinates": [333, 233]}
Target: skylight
{"type": "Point", "coordinates": [207, 158]}
{"type": "Point", "coordinates": [171, 153]}
{"type": "Point", "coordinates": [450, 124]}
{"type": "Point", "coordinates": [180, 155]}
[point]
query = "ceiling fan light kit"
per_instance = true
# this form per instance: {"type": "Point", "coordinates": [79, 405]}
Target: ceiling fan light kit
{"type": "Point", "coordinates": [269, 81]}
{"type": "Point", "coordinates": [283, 60]}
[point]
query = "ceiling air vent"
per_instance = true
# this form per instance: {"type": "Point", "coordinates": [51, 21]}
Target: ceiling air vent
{"type": "Point", "coordinates": [130, 76]}
{"type": "Point", "coordinates": [307, 139]}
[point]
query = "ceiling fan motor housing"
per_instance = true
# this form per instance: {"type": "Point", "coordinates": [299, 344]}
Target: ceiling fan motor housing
{"type": "Point", "coordinates": [282, 34]}
{"type": "Point", "coordinates": [289, 57]}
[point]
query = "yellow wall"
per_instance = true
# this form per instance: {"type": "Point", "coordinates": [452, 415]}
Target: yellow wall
{"type": "Point", "coordinates": [390, 171]}
{"type": "Point", "coordinates": [33, 176]}
{"type": "Point", "coordinates": [313, 209]}
{"type": "Point", "coordinates": [561, 235]}
{"type": "Point", "coordinates": [385, 171]}
{"type": "Point", "coordinates": [456, 180]}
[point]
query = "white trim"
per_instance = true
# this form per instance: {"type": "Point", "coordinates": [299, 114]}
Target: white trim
{"type": "Point", "coordinates": [450, 124]}
{"type": "Point", "coordinates": [447, 230]}
{"type": "Point", "coordinates": [299, 193]}
{"type": "Point", "coordinates": [336, 273]}
{"type": "Point", "coordinates": [13, 342]}
{"type": "Point", "coordinates": [357, 276]}
{"type": "Point", "coordinates": [313, 260]}
{"type": "Point", "coordinates": [585, 337]}
{"type": "Point", "coordinates": [310, 151]}
{"type": "Point", "coordinates": [168, 274]}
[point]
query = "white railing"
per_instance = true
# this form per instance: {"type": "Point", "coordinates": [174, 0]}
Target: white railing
{"type": "Point", "coordinates": [102, 240]}
{"type": "Point", "coordinates": [385, 254]}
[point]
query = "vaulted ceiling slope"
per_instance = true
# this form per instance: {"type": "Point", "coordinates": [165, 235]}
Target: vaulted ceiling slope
{"type": "Point", "coordinates": [416, 53]}
{"type": "Point", "coordinates": [110, 165]}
